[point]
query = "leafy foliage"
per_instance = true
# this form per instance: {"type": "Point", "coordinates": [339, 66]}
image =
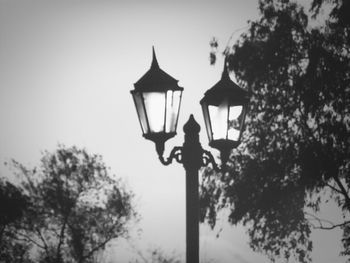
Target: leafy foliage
{"type": "Point", "coordinates": [298, 129]}
{"type": "Point", "coordinates": [75, 207]}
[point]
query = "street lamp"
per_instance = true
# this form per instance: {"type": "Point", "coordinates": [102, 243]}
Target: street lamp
{"type": "Point", "coordinates": [224, 109]}
{"type": "Point", "coordinates": [157, 99]}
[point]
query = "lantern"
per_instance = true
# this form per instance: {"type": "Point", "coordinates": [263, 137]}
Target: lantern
{"type": "Point", "coordinates": [157, 99]}
{"type": "Point", "coordinates": [224, 107]}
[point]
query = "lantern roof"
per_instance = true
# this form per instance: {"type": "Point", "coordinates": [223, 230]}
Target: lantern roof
{"type": "Point", "coordinates": [155, 79]}
{"type": "Point", "coordinates": [224, 89]}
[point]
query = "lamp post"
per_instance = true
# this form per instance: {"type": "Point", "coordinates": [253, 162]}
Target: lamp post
{"type": "Point", "coordinates": [157, 99]}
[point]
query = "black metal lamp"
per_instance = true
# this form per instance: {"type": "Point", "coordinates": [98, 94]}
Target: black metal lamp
{"type": "Point", "coordinates": [224, 108]}
{"type": "Point", "coordinates": [157, 98]}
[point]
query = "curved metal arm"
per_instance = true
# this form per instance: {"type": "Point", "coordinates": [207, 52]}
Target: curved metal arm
{"type": "Point", "coordinates": [208, 158]}
{"type": "Point", "coordinates": [176, 153]}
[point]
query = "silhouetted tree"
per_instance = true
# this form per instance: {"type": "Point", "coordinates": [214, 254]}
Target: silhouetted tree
{"type": "Point", "coordinates": [13, 205]}
{"type": "Point", "coordinates": [296, 144]}
{"type": "Point", "coordinates": [76, 207]}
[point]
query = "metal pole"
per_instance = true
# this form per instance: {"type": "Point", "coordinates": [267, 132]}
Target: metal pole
{"type": "Point", "coordinates": [192, 161]}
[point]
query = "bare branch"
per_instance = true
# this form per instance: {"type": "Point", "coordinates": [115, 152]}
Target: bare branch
{"type": "Point", "coordinates": [321, 223]}
{"type": "Point", "coordinates": [101, 245]}
{"type": "Point", "coordinates": [333, 226]}
{"type": "Point", "coordinates": [28, 238]}
{"type": "Point", "coordinates": [334, 188]}
{"type": "Point", "coordinates": [344, 192]}
{"type": "Point", "coordinates": [92, 251]}
{"type": "Point", "coordinates": [46, 247]}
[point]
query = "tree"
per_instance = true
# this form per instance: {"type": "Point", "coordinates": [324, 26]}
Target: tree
{"type": "Point", "coordinates": [13, 204]}
{"type": "Point", "coordinates": [296, 144]}
{"type": "Point", "coordinates": [75, 207]}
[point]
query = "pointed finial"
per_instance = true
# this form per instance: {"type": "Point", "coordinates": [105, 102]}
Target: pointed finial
{"type": "Point", "coordinates": [191, 126]}
{"type": "Point", "coordinates": [225, 71]}
{"type": "Point", "coordinates": [154, 59]}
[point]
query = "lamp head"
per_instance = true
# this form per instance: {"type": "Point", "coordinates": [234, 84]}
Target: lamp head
{"type": "Point", "coordinates": [157, 98]}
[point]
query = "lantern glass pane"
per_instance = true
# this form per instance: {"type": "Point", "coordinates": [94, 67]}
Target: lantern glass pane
{"type": "Point", "coordinates": [173, 99]}
{"type": "Point", "coordinates": [219, 120]}
{"type": "Point", "coordinates": [235, 122]}
{"type": "Point", "coordinates": [140, 111]}
{"type": "Point", "coordinates": [207, 121]}
{"type": "Point", "coordinates": [155, 108]}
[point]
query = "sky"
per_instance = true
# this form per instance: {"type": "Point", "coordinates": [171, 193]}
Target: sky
{"type": "Point", "coordinates": [66, 69]}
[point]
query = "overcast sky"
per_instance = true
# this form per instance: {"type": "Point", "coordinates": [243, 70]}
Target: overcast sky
{"type": "Point", "coordinates": [66, 69]}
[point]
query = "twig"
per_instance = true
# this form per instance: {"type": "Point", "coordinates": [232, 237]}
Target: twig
{"type": "Point", "coordinates": [46, 247]}
{"type": "Point", "coordinates": [99, 246]}
{"type": "Point", "coordinates": [334, 188]}
{"type": "Point", "coordinates": [343, 190]}
{"type": "Point", "coordinates": [27, 238]}
{"type": "Point", "coordinates": [321, 223]}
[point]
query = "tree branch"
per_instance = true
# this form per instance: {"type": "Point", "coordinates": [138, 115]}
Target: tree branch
{"type": "Point", "coordinates": [27, 238]}
{"type": "Point", "coordinates": [333, 226]}
{"type": "Point", "coordinates": [46, 247]}
{"type": "Point", "coordinates": [92, 251]}
{"type": "Point", "coordinates": [333, 188]}
{"type": "Point", "coordinates": [343, 191]}
{"type": "Point", "coordinates": [61, 236]}
{"type": "Point", "coordinates": [99, 246]}
{"type": "Point", "coordinates": [321, 223]}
